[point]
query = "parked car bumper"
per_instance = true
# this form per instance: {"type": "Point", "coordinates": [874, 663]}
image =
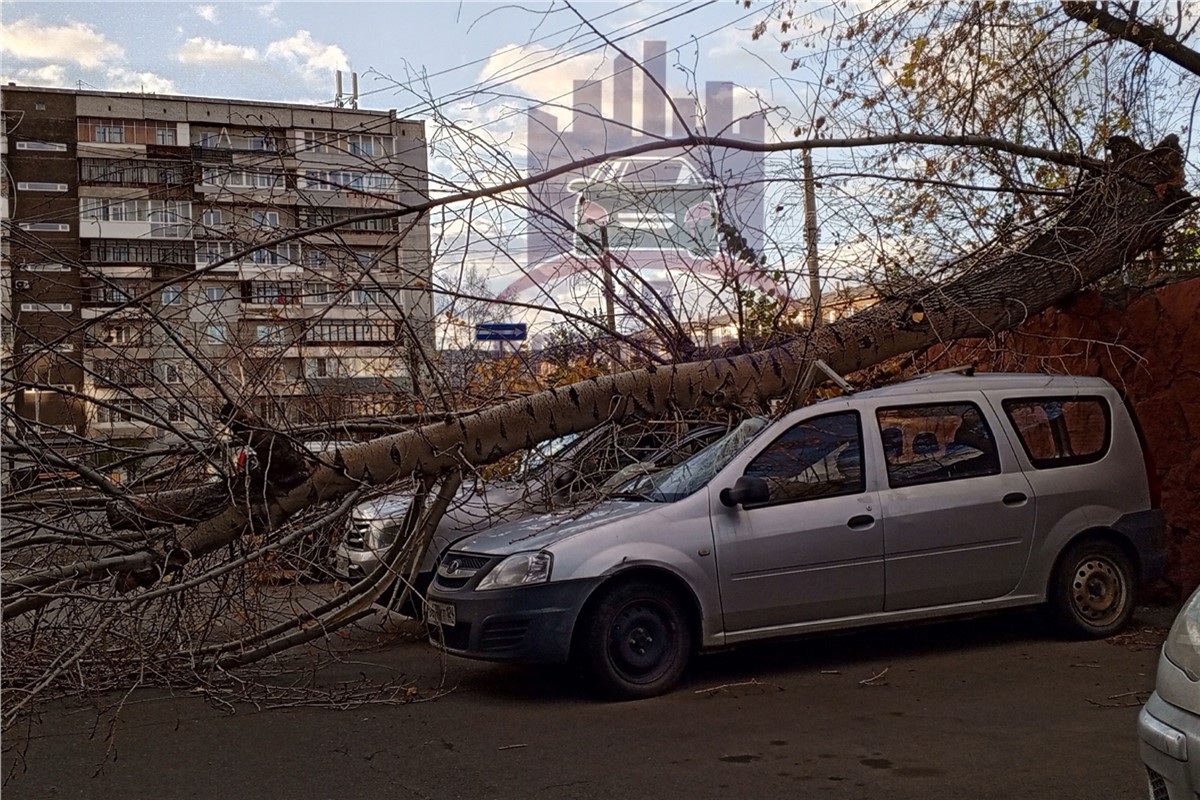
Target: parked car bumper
{"type": "Point", "coordinates": [1169, 741]}
{"type": "Point", "coordinates": [527, 624]}
{"type": "Point", "coordinates": [1146, 530]}
{"type": "Point", "coordinates": [353, 564]}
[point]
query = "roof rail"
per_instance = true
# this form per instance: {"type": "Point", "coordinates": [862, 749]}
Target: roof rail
{"type": "Point", "coordinates": [962, 369]}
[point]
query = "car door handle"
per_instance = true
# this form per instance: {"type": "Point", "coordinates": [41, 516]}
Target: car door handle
{"type": "Point", "coordinates": [861, 522]}
{"type": "Point", "coordinates": [1014, 499]}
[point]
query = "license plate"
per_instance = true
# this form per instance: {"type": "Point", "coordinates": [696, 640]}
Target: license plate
{"type": "Point", "coordinates": [440, 613]}
{"type": "Point", "coordinates": [343, 566]}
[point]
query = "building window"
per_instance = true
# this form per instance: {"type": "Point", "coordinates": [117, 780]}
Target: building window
{"type": "Point", "coordinates": [212, 217]}
{"type": "Point", "coordinates": [212, 252]}
{"type": "Point", "coordinates": [39, 347]}
{"type": "Point", "coordinates": [45, 147]}
{"type": "Point", "coordinates": [112, 134]}
{"type": "Point", "coordinates": [105, 295]}
{"type": "Point", "coordinates": [216, 334]}
{"type": "Point", "coordinates": [214, 294]}
{"type": "Point", "coordinates": [364, 144]}
{"type": "Point", "coordinates": [164, 136]}
{"type": "Point", "coordinates": [268, 334]}
{"type": "Point", "coordinates": [212, 139]}
{"type": "Point", "coordinates": [169, 219]}
{"type": "Point", "coordinates": [140, 250]}
{"type": "Point", "coordinates": [262, 143]}
{"type": "Point", "coordinates": [119, 334]}
{"type": "Point", "coordinates": [316, 367]}
{"type": "Point", "coordinates": [240, 178]}
{"type": "Point", "coordinates": [171, 374]}
{"type": "Point", "coordinates": [46, 308]}
{"type": "Point", "coordinates": [56, 227]}
{"type": "Point", "coordinates": [45, 267]}
{"type": "Point", "coordinates": [369, 297]}
{"type": "Point", "coordinates": [265, 219]}
{"type": "Point", "coordinates": [132, 171]}
{"type": "Point", "coordinates": [172, 296]}
{"type": "Point", "coordinates": [273, 293]}
{"type": "Point", "coordinates": [350, 332]}
{"type": "Point", "coordinates": [121, 409]}
{"type": "Point", "coordinates": [39, 186]}
{"type": "Point", "coordinates": [279, 254]}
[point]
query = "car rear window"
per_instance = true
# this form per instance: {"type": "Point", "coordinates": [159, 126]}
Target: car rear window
{"type": "Point", "coordinates": [1061, 431]}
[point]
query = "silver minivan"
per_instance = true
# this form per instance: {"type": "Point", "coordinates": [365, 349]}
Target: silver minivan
{"type": "Point", "coordinates": [944, 495]}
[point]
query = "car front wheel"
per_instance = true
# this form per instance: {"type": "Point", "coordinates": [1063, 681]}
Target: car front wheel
{"type": "Point", "coordinates": [1094, 589]}
{"type": "Point", "coordinates": [636, 641]}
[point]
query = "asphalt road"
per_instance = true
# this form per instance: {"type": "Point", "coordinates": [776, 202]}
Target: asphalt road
{"type": "Point", "coordinates": [994, 707]}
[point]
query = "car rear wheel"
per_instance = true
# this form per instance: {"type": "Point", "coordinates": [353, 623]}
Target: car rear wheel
{"type": "Point", "coordinates": [1094, 589]}
{"type": "Point", "coordinates": [636, 641]}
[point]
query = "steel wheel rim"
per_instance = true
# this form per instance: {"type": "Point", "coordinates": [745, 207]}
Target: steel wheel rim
{"type": "Point", "coordinates": [640, 641]}
{"type": "Point", "coordinates": [1098, 591]}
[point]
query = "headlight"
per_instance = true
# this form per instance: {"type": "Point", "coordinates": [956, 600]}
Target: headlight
{"type": "Point", "coordinates": [1182, 647]}
{"type": "Point", "coordinates": [521, 569]}
{"type": "Point", "coordinates": [381, 535]}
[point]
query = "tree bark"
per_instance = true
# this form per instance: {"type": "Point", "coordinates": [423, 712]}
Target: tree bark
{"type": "Point", "coordinates": [1146, 36]}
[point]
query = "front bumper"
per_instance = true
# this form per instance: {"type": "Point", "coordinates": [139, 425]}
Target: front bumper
{"type": "Point", "coordinates": [353, 564]}
{"type": "Point", "coordinates": [524, 624]}
{"type": "Point", "coordinates": [1169, 741]}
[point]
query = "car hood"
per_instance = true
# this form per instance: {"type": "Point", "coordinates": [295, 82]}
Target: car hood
{"type": "Point", "coordinates": [535, 533]}
{"type": "Point", "coordinates": [471, 501]}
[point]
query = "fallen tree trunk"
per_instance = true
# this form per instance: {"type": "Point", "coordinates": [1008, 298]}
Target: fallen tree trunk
{"type": "Point", "coordinates": [1116, 214]}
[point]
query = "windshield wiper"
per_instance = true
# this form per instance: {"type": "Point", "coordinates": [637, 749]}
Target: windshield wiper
{"type": "Point", "coordinates": [644, 498]}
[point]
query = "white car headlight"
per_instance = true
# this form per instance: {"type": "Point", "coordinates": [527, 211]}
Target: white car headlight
{"type": "Point", "coordinates": [1182, 647]}
{"type": "Point", "coordinates": [521, 569]}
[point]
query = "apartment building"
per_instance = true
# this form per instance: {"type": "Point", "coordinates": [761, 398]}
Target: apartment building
{"type": "Point", "coordinates": [160, 258]}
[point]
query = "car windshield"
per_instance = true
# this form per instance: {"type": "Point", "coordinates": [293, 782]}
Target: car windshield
{"type": "Point", "coordinates": [689, 476]}
{"type": "Point", "coordinates": [544, 452]}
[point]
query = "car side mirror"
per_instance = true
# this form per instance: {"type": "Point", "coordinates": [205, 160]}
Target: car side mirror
{"type": "Point", "coordinates": [745, 490]}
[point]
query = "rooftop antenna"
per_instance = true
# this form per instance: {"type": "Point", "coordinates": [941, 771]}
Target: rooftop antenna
{"type": "Point", "coordinates": [338, 100]}
{"type": "Point", "coordinates": [354, 90]}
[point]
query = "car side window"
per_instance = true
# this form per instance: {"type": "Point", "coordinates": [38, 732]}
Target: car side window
{"type": "Point", "coordinates": [820, 457]}
{"type": "Point", "coordinates": [936, 442]}
{"type": "Point", "coordinates": [1061, 431]}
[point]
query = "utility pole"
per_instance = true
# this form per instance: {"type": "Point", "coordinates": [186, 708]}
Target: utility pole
{"type": "Point", "coordinates": [606, 265]}
{"type": "Point", "coordinates": [810, 234]}
{"type": "Point", "coordinates": [609, 309]}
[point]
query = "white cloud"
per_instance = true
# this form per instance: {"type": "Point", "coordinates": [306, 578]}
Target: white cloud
{"type": "Point", "coordinates": [267, 12]}
{"type": "Point", "coordinates": [540, 73]}
{"type": "Point", "coordinates": [73, 41]}
{"type": "Point", "coordinates": [121, 79]}
{"type": "Point", "coordinates": [49, 75]}
{"type": "Point", "coordinates": [199, 50]}
{"type": "Point", "coordinates": [315, 61]}
{"type": "Point", "coordinates": [207, 13]}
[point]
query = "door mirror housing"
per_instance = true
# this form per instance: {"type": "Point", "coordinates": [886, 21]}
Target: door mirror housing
{"type": "Point", "coordinates": [745, 490]}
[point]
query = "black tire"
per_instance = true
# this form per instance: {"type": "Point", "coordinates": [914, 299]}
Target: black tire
{"type": "Point", "coordinates": [1094, 589]}
{"type": "Point", "coordinates": [636, 641]}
